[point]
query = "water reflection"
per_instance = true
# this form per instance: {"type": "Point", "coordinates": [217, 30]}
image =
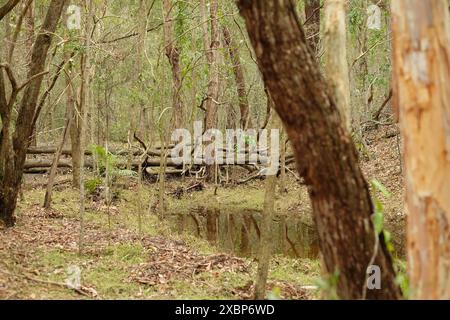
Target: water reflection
{"type": "Point", "coordinates": [239, 232]}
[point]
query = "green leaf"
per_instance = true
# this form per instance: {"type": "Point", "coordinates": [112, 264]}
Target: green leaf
{"type": "Point", "coordinates": [275, 294]}
{"type": "Point", "coordinates": [377, 219]}
{"type": "Point", "coordinates": [380, 187]}
{"type": "Point", "coordinates": [378, 206]}
{"type": "Point", "coordinates": [387, 236]}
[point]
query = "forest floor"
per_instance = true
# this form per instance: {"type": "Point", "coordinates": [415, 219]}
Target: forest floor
{"type": "Point", "coordinates": [166, 260]}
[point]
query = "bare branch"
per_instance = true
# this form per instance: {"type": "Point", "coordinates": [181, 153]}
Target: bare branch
{"type": "Point", "coordinates": [49, 89]}
{"type": "Point", "coordinates": [17, 30]}
{"type": "Point", "coordinates": [3, 102]}
{"type": "Point", "coordinates": [23, 85]}
{"type": "Point", "coordinates": [132, 34]}
{"type": "Point", "coordinates": [11, 77]}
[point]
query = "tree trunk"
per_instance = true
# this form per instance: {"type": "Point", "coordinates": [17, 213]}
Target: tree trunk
{"type": "Point", "coordinates": [238, 71]}
{"type": "Point", "coordinates": [70, 100]}
{"type": "Point", "coordinates": [29, 24]}
{"type": "Point", "coordinates": [17, 150]}
{"type": "Point", "coordinates": [7, 7]}
{"type": "Point", "coordinates": [52, 175]}
{"type": "Point", "coordinates": [312, 24]}
{"type": "Point", "coordinates": [140, 54]}
{"type": "Point", "coordinates": [213, 84]}
{"type": "Point", "coordinates": [84, 109]}
{"type": "Point", "coordinates": [79, 123]}
{"type": "Point", "coordinates": [335, 56]}
{"type": "Point", "coordinates": [421, 86]}
{"type": "Point", "coordinates": [75, 132]}
{"type": "Point", "coordinates": [326, 157]}
{"type": "Point", "coordinates": [173, 54]}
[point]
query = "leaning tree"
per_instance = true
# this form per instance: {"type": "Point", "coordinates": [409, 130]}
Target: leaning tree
{"type": "Point", "coordinates": [325, 154]}
{"type": "Point", "coordinates": [15, 137]}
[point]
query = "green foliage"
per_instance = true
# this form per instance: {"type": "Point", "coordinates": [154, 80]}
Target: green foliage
{"type": "Point", "coordinates": [275, 294]}
{"type": "Point", "coordinates": [378, 216]}
{"type": "Point", "coordinates": [328, 285]}
{"type": "Point", "coordinates": [103, 158]}
{"type": "Point", "coordinates": [402, 279]}
{"type": "Point", "coordinates": [91, 185]}
{"type": "Point", "coordinates": [378, 222]}
{"type": "Point", "coordinates": [109, 160]}
{"type": "Point", "coordinates": [356, 19]}
{"type": "Point", "coordinates": [250, 140]}
{"type": "Point", "coordinates": [74, 45]}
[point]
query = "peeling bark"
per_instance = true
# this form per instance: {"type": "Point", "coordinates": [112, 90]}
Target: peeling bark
{"type": "Point", "coordinates": [421, 76]}
{"type": "Point", "coordinates": [335, 56]}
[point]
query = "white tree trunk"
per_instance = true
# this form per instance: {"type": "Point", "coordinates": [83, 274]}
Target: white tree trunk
{"type": "Point", "coordinates": [421, 85]}
{"type": "Point", "coordinates": [335, 55]}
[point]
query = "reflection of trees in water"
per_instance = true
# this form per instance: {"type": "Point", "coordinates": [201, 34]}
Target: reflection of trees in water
{"type": "Point", "coordinates": [240, 232]}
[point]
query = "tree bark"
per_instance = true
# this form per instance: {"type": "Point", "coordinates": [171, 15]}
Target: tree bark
{"type": "Point", "coordinates": [79, 122]}
{"type": "Point", "coordinates": [239, 77]}
{"type": "Point", "coordinates": [421, 74]}
{"type": "Point", "coordinates": [16, 151]}
{"type": "Point", "coordinates": [326, 157]}
{"type": "Point", "coordinates": [30, 34]}
{"type": "Point", "coordinates": [52, 175]}
{"type": "Point", "coordinates": [213, 83]}
{"type": "Point", "coordinates": [335, 56]}
{"type": "Point", "coordinates": [173, 54]}
{"type": "Point", "coordinates": [7, 7]}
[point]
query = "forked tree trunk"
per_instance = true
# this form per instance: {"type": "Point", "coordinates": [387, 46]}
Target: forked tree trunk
{"type": "Point", "coordinates": [421, 85]}
{"type": "Point", "coordinates": [14, 154]}
{"type": "Point", "coordinates": [335, 56]}
{"type": "Point", "coordinates": [326, 157]}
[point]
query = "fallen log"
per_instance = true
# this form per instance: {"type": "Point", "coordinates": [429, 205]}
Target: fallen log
{"type": "Point", "coordinates": [52, 150]}
{"type": "Point", "coordinates": [29, 164]}
{"type": "Point", "coordinates": [155, 171]}
{"type": "Point", "coordinates": [68, 152]}
{"type": "Point", "coordinates": [36, 170]}
{"type": "Point", "coordinates": [44, 163]}
{"type": "Point", "coordinates": [135, 152]}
